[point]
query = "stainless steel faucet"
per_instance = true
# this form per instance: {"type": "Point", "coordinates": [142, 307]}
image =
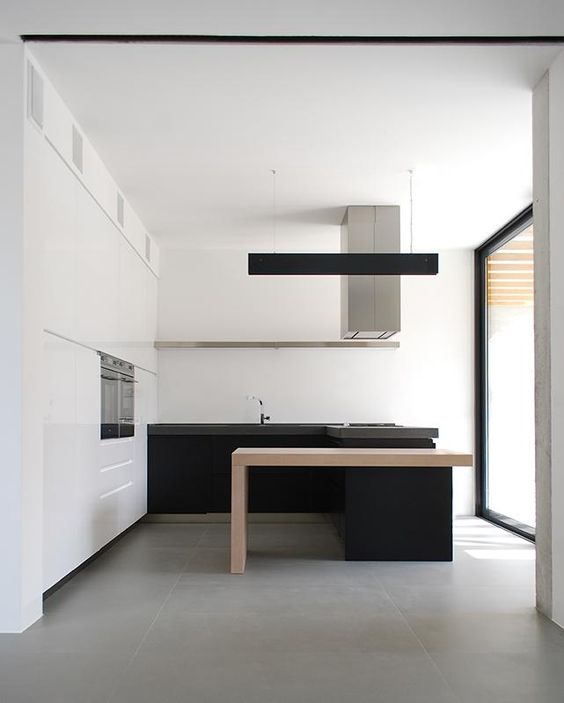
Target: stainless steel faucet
{"type": "Point", "coordinates": [263, 417]}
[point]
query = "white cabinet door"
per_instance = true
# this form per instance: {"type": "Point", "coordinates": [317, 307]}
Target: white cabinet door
{"type": "Point", "coordinates": [145, 412]}
{"type": "Point", "coordinates": [71, 431]}
{"type": "Point", "coordinates": [131, 303]}
{"type": "Point", "coordinates": [97, 275]}
{"type": "Point", "coordinates": [60, 493]}
{"type": "Point", "coordinates": [87, 430]}
{"type": "Point", "coordinates": [52, 209]}
{"type": "Point", "coordinates": [147, 356]}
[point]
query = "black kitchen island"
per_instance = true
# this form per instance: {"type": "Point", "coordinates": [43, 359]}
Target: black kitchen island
{"type": "Point", "coordinates": [189, 465]}
{"type": "Point", "coordinates": [189, 472]}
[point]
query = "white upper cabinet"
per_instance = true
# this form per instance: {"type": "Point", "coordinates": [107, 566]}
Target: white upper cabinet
{"type": "Point", "coordinates": [51, 210]}
{"type": "Point", "coordinates": [98, 272]}
{"type": "Point", "coordinates": [99, 183]}
{"type": "Point", "coordinates": [151, 307]}
{"type": "Point", "coordinates": [58, 122]}
{"type": "Point", "coordinates": [131, 302]}
{"type": "Point", "coordinates": [100, 275]}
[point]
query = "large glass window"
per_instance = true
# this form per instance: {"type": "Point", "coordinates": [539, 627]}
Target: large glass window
{"type": "Point", "coordinates": [505, 278]}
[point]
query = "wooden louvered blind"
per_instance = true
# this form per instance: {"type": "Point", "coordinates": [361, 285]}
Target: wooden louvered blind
{"type": "Point", "coordinates": [510, 272]}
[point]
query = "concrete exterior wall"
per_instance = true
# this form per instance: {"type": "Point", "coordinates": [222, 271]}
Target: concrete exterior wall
{"type": "Point", "coordinates": [548, 138]}
{"type": "Point", "coordinates": [542, 347]}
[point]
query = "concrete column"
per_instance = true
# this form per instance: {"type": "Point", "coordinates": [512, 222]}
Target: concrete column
{"type": "Point", "coordinates": [21, 461]}
{"type": "Point", "coordinates": [548, 186]}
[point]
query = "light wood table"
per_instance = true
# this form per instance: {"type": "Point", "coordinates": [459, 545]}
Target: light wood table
{"type": "Point", "coordinates": [369, 458]}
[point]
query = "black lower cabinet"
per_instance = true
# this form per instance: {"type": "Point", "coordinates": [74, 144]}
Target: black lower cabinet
{"type": "Point", "coordinates": [270, 490]}
{"type": "Point", "coordinates": [398, 514]}
{"type": "Point", "coordinates": [189, 474]}
{"type": "Point", "coordinates": [380, 511]}
{"type": "Point", "coordinates": [179, 479]}
{"type": "Point", "coordinates": [280, 491]}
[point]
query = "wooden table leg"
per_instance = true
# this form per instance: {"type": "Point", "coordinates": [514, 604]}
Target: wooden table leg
{"type": "Point", "coordinates": [239, 509]}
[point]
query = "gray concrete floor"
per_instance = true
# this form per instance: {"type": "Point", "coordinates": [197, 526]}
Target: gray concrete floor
{"type": "Point", "coordinates": [157, 619]}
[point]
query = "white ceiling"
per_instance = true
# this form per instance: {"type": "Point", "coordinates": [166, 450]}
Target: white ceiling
{"type": "Point", "coordinates": [380, 17]}
{"type": "Point", "coordinates": [191, 132]}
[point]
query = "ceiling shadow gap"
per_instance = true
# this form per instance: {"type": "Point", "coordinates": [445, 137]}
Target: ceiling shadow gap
{"type": "Point", "coordinates": [295, 39]}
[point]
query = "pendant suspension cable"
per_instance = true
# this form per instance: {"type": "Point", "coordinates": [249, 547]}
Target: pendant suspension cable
{"type": "Point", "coordinates": [410, 211]}
{"type": "Point", "coordinates": [273, 171]}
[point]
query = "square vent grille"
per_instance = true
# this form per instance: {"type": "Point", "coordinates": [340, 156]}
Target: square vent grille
{"type": "Point", "coordinates": [35, 96]}
{"type": "Point", "coordinates": [77, 148]}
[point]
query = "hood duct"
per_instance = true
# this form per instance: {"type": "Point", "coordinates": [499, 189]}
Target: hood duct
{"type": "Point", "coordinates": [370, 305]}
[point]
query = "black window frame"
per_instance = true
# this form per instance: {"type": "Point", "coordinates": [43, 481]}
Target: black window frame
{"type": "Point", "coordinates": [519, 223]}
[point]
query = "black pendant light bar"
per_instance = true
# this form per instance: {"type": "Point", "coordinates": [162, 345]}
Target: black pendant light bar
{"type": "Point", "coordinates": [343, 264]}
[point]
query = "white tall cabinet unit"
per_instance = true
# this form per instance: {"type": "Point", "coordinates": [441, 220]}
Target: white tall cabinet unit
{"type": "Point", "coordinates": [100, 281]}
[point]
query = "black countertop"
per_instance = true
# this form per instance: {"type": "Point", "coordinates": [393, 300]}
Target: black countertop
{"type": "Point", "coordinates": [360, 431]}
{"type": "Point", "coordinates": [337, 430]}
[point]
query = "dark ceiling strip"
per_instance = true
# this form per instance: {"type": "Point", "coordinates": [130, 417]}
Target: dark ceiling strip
{"type": "Point", "coordinates": [343, 264]}
{"type": "Point", "coordinates": [290, 39]}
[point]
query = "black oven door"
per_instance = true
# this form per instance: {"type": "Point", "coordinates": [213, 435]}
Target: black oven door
{"type": "Point", "coordinates": [109, 427]}
{"type": "Point", "coordinates": [127, 407]}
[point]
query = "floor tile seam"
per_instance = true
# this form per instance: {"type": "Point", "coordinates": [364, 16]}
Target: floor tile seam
{"type": "Point", "coordinates": [380, 583]}
{"type": "Point", "coordinates": [262, 668]}
{"type": "Point", "coordinates": [489, 651]}
{"type": "Point", "coordinates": [200, 538]}
{"type": "Point", "coordinates": [132, 658]}
{"type": "Point", "coordinates": [442, 587]}
{"type": "Point", "coordinates": [426, 652]}
{"type": "Point", "coordinates": [195, 549]}
{"type": "Point", "coordinates": [322, 586]}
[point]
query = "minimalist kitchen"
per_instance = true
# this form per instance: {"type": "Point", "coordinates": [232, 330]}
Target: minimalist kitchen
{"type": "Point", "coordinates": [178, 340]}
{"type": "Point", "coordinates": [262, 286]}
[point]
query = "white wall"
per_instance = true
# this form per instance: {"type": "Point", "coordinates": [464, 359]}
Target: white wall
{"type": "Point", "coordinates": [20, 355]}
{"type": "Point", "coordinates": [549, 337]}
{"type": "Point", "coordinates": [207, 295]}
{"type": "Point", "coordinates": [98, 292]}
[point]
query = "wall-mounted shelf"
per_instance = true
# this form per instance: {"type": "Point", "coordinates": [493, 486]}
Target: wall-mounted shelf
{"type": "Point", "coordinates": [339, 343]}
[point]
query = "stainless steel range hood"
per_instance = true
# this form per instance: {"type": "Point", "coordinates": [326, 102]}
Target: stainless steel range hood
{"type": "Point", "coordinates": [370, 305]}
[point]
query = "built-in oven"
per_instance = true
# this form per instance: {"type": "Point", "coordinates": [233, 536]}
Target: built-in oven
{"type": "Point", "coordinates": [118, 398]}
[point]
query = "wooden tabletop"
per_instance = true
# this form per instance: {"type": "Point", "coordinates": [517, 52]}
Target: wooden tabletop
{"type": "Point", "coordinates": [364, 456]}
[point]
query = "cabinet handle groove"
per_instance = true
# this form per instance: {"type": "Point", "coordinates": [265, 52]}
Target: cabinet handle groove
{"type": "Point", "coordinates": [116, 490]}
{"type": "Point", "coordinates": [111, 467]}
